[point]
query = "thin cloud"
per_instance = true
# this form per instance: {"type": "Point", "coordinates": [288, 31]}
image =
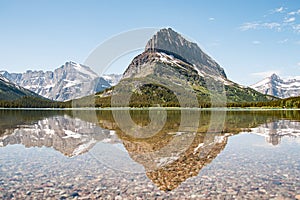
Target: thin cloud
{"type": "Point", "coordinates": [211, 19]}
{"type": "Point", "coordinates": [249, 26]}
{"type": "Point", "coordinates": [279, 10]}
{"type": "Point", "coordinates": [289, 20]}
{"type": "Point", "coordinates": [265, 74]}
{"type": "Point", "coordinates": [286, 21]}
{"type": "Point", "coordinates": [294, 12]}
{"type": "Point", "coordinates": [298, 64]}
{"type": "Point", "coordinates": [257, 25]}
{"type": "Point", "coordinates": [272, 25]}
{"type": "Point", "coordinates": [256, 42]}
{"type": "Point", "coordinates": [283, 41]}
{"type": "Point", "coordinates": [296, 28]}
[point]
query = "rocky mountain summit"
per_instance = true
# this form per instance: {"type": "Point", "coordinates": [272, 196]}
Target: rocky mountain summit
{"type": "Point", "coordinates": [169, 47]}
{"type": "Point", "coordinates": [170, 42]}
{"type": "Point", "coordinates": [276, 86]}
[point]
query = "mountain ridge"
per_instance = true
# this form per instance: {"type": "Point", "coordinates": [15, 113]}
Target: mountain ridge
{"type": "Point", "coordinates": [69, 81]}
{"type": "Point", "coordinates": [276, 86]}
{"type": "Point", "coordinates": [11, 91]}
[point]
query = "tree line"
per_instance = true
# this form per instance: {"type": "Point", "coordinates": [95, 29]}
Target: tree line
{"type": "Point", "coordinates": [146, 99]}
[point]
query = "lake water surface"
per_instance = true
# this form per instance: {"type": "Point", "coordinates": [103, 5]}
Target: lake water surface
{"type": "Point", "coordinates": [156, 154]}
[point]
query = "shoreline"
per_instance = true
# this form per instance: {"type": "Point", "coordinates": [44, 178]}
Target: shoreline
{"type": "Point", "coordinates": [161, 108]}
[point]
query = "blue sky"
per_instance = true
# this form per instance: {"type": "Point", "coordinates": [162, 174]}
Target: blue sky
{"type": "Point", "coordinates": [250, 39]}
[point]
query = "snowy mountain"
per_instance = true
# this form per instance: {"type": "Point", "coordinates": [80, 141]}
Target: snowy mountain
{"type": "Point", "coordinates": [282, 88]}
{"type": "Point", "coordinates": [70, 81]}
{"type": "Point", "coordinates": [112, 79]}
{"type": "Point", "coordinates": [11, 91]}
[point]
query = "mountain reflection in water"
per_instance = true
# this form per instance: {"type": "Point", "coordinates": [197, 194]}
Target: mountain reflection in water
{"type": "Point", "coordinates": [169, 157]}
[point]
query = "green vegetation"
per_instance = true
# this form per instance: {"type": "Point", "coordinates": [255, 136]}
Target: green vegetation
{"type": "Point", "coordinates": [10, 92]}
{"type": "Point", "coordinates": [234, 93]}
{"type": "Point", "coordinates": [292, 102]}
{"type": "Point", "coordinates": [150, 95]}
{"type": "Point", "coordinates": [33, 102]}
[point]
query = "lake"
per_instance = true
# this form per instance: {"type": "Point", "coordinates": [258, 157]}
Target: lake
{"type": "Point", "coordinates": [150, 154]}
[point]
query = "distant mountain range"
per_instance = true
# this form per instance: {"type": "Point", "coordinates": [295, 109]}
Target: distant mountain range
{"type": "Point", "coordinates": [12, 91]}
{"type": "Point", "coordinates": [70, 81]}
{"type": "Point", "coordinates": [275, 86]}
{"type": "Point", "coordinates": [168, 60]}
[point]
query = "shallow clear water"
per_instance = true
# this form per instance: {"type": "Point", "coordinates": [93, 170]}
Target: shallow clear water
{"type": "Point", "coordinates": [180, 154]}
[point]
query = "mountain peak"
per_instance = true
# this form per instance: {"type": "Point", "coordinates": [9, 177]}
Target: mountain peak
{"type": "Point", "coordinates": [274, 76]}
{"type": "Point", "coordinates": [172, 43]}
{"type": "Point", "coordinates": [167, 36]}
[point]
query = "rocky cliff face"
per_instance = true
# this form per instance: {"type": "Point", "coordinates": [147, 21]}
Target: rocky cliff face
{"type": "Point", "coordinates": [170, 42]}
{"type": "Point", "coordinates": [170, 47]}
{"type": "Point", "coordinates": [70, 81]}
{"type": "Point", "coordinates": [282, 88]}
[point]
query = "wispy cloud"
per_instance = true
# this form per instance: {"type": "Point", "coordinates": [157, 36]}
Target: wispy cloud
{"type": "Point", "coordinates": [272, 25]}
{"type": "Point", "coordinates": [298, 64]}
{"type": "Point", "coordinates": [211, 19]}
{"type": "Point", "coordinates": [256, 42]}
{"type": "Point", "coordinates": [259, 25]}
{"type": "Point", "coordinates": [297, 12]}
{"type": "Point", "coordinates": [296, 28]}
{"type": "Point", "coordinates": [278, 10]}
{"type": "Point", "coordinates": [249, 25]}
{"type": "Point", "coordinates": [284, 21]}
{"type": "Point", "coordinates": [264, 74]}
{"type": "Point", "coordinates": [283, 41]}
{"type": "Point", "coordinates": [288, 20]}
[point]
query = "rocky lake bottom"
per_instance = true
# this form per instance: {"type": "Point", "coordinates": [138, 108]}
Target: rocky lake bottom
{"type": "Point", "coordinates": [62, 157]}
